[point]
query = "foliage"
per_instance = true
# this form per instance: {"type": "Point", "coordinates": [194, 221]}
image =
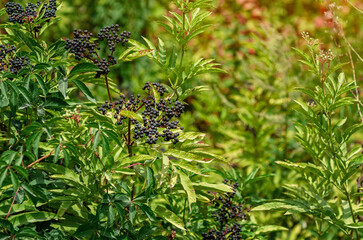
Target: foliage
{"type": "Point", "coordinates": [327, 196]}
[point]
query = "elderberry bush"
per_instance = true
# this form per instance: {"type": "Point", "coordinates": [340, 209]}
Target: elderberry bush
{"type": "Point", "coordinates": [159, 119]}
{"type": "Point", "coordinates": [228, 215]}
{"type": "Point", "coordinates": [84, 47]}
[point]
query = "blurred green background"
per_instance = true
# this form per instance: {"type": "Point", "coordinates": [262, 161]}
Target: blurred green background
{"type": "Point", "coordinates": [248, 113]}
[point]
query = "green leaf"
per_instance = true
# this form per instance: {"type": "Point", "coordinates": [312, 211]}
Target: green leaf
{"type": "Point", "coordinates": [31, 217]}
{"type": "Point", "coordinates": [35, 142]}
{"type": "Point", "coordinates": [14, 180]}
{"type": "Point", "coordinates": [162, 52]}
{"type": "Point", "coordinates": [8, 157]}
{"type": "Point", "coordinates": [54, 102]}
{"type": "Point", "coordinates": [131, 114]}
{"type": "Point", "coordinates": [120, 209]}
{"type": "Point", "coordinates": [283, 205]}
{"type": "Point", "coordinates": [148, 212]}
{"type": "Point", "coordinates": [30, 42]}
{"type": "Point", "coordinates": [304, 55]}
{"type": "Point", "coordinates": [122, 199]}
{"type": "Point", "coordinates": [84, 89]}
{"type": "Point", "coordinates": [169, 216]}
{"type": "Point", "coordinates": [269, 228]}
{"type": "Point", "coordinates": [132, 212]}
{"type": "Point", "coordinates": [67, 158]}
{"type": "Point", "coordinates": [110, 215]}
{"type": "Point", "coordinates": [137, 54]}
{"type": "Point", "coordinates": [186, 166]}
{"type": "Point", "coordinates": [22, 171]}
{"type": "Point", "coordinates": [355, 225]}
{"type": "Point", "coordinates": [84, 230]}
{"type": "Point", "coordinates": [105, 145]}
{"type": "Point", "coordinates": [3, 174]}
{"type": "Point", "coordinates": [83, 68]}
{"type": "Point", "coordinates": [196, 32]}
{"type": "Point", "coordinates": [42, 84]}
{"type": "Point", "coordinates": [96, 140]}
{"type": "Point", "coordinates": [208, 155]}
{"type": "Point", "coordinates": [27, 232]}
{"type": "Point", "coordinates": [150, 181]}
{"type": "Point", "coordinates": [134, 159]}
{"type": "Point", "coordinates": [56, 154]}
{"type": "Point", "coordinates": [184, 155]}
{"type": "Point", "coordinates": [184, 136]}
{"type": "Point", "coordinates": [4, 100]}
{"type": "Point", "coordinates": [125, 53]}
{"type": "Point", "coordinates": [2, 12]}
{"type": "Point", "coordinates": [24, 93]}
{"type": "Point", "coordinates": [65, 205]}
{"type": "Point", "coordinates": [172, 59]}
{"type": "Point", "coordinates": [188, 187]}
{"type": "Point", "coordinates": [150, 45]}
{"type": "Point", "coordinates": [63, 85]}
{"type": "Point", "coordinates": [218, 187]}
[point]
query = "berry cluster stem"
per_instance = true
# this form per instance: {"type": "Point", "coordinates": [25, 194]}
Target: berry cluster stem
{"type": "Point", "coordinates": [108, 88]}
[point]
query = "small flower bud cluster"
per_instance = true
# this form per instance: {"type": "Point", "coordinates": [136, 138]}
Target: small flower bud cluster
{"type": "Point", "coordinates": [228, 215]}
{"type": "Point", "coordinates": [8, 61]}
{"type": "Point", "coordinates": [310, 41]}
{"type": "Point", "coordinates": [325, 56]}
{"type": "Point", "coordinates": [82, 46]}
{"type": "Point", "coordinates": [18, 14]}
{"type": "Point", "coordinates": [158, 118]}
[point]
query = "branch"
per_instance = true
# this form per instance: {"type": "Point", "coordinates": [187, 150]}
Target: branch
{"type": "Point", "coordinates": [39, 160]}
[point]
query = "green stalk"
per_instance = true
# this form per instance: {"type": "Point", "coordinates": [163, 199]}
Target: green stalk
{"type": "Point", "coordinates": [183, 44]}
{"type": "Point", "coordinates": [351, 210]}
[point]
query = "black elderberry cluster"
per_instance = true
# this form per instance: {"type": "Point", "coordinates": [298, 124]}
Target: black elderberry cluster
{"type": "Point", "coordinates": [4, 55]}
{"type": "Point", "coordinates": [16, 64]}
{"type": "Point", "coordinates": [82, 46]}
{"type": "Point", "coordinates": [50, 9]}
{"type": "Point", "coordinates": [18, 14]}
{"type": "Point", "coordinates": [228, 215]}
{"type": "Point", "coordinates": [158, 118]}
{"type": "Point", "coordinates": [111, 34]}
{"type": "Point", "coordinates": [8, 61]}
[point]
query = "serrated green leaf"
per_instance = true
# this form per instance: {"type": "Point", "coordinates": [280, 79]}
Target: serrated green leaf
{"type": "Point", "coordinates": [84, 89]}
{"type": "Point", "coordinates": [269, 228]}
{"type": "Point", "coordinates": [188, 188]}
{"type": "Point", "coordinates": [131, 114]}
{"type": "Point", "coordinates": [148, 212]}
{"type": "Point", "coordinates": [184, 155]}
{"type": "Point", "coordinates": [3, 174]}
{"type": "Point", "coordinates": [31, 217]}
{"type": "Point", "coordinates": [217, 187]}
{"type": "Point", "coordinates": [83, 68]}
{"type": "Point", "coordinates": [169, 216]}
